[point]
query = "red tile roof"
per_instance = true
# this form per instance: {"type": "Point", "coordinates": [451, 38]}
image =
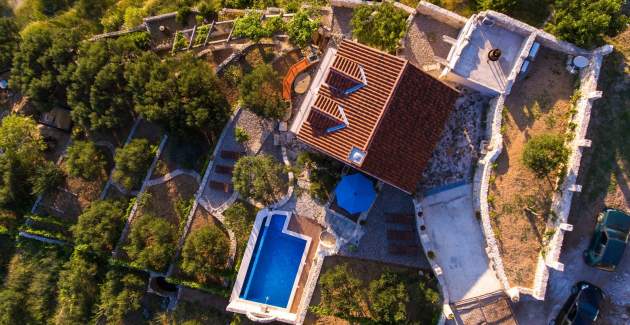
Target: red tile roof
{"type": "Point", "coordinates": [396, 118]}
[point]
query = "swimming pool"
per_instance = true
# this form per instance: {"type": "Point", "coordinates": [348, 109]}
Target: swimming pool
{"type": "Point", "coordinates": [274, 264]}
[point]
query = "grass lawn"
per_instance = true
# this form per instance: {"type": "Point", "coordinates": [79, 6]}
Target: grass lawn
{"type": "Point", "coordinates": [539, 104]}
{"type": "Point", "coordinates": [417, 311]}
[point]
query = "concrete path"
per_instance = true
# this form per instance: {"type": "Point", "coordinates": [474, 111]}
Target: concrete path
{"type": "Point", "coordinates": [459, 243]}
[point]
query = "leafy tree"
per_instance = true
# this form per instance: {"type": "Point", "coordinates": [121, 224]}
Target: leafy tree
{"type": "Point", "coordinates": [77, 288]}
{"type": "Point", "coordinates": [28, 294]}
{"type": "Point", "coordinates": [9, 38]}
{"type": "Point", "coordinates": [22, 148]}
{"type": "Point", "coordinates": [205, 252]}
{"type": "Point", "coordinates": [341, 294]}
{"type": "Point", "coordinates": [46, 176]}
{"type": "Point", "coordinates": [301, 28]}
{"type": "Point", "coordinates": [20, 139]}
{"type": "Point", "coordinates": [499, 5]}
{"type": "Point", "coordinates": [131, 162]}
{"type": "Point", "coordinates": [182, 15]}
{"type": "Point", "coordinates": [13, 190]}
{"type": "Point", "coordinates": [151, 242]}
{"type": "Point", "coordinates": [585, 22]}
{"type": "Point", "coordinates": [388, 299]}
{"type": "Point", "coordinates": [98, 92]}
{"type": "Point", "coordinates": [260, 92]}
{"type": "Point", "coordinates": [43, 63]}
{"type": "Point", "coordinates": [99, 226]}
{"type": "Point", "coordinates": [51, 7]}
{"type": "Point", "coordinates": [90, 9]}
{"type": "Point", "coordinates": [120, 294]}
{"type": "Point", "coordinates": [250, 26]}
{"type": "Point", "coordinates": [544, 154]}
{"type": "Point", "coordinates": [178, 93]}
{"type": "Point", "coordinates": [84, 160]}
{"type": "Point", "coordinates": [381, 26]}
{"type": "Point", "coordinates": [239, 219]}
{"type": "Point", "coordinates": [259, 178]}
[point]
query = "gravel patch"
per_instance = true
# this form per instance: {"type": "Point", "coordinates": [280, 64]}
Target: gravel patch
{"type": "Point", "coordinates": [458, 149]}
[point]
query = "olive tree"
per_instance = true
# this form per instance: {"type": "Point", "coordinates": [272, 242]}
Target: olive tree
{"type": "Point", "coordinates": [99, 226]}
{"type": "Point", "coordinates": [260, 178]}
{"type": "Point", "coordinates": [260, 92]}
{"type": "Point", "coordinates": [205, 252]}
{"type": "Point", "coordinates": [152, 241]}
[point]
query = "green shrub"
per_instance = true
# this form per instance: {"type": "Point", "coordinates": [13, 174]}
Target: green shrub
{"type": "Point", "coordinates": [151, 242]}
{"type": "Point", "coordinates": [381, 26]}
{"type": "Point", "coordinates": [260, 178]}
{"type": "Point", "coordinates": [545, 154]}
{"type": "Point", "coordinates": [180, 42]}
{"type": "Point", "coordinates": [586, 22]}
{"type": "Point", "coordinates": [132, 161]}
{"type": "Point", "coordinates": [182, 15]}
{"type": "Point", "coordinates": [301, 28]}
{"type": "Point", "coordinates": [260, 92]}
{"type": "Point", "coordinates": [99, 226]}
{"type": "Point", "coordinates": [388, 299]}
{"type": "Point", "coordinates": [206, 251]}
{"type": "Point", "coordinates": [250, 26]}
{"type": "Point", "coordinates": [84, 160]}
{"type": "Point", "coordinates": [342, 294]}
{"type": "Point", "coordinates": [241, 135]}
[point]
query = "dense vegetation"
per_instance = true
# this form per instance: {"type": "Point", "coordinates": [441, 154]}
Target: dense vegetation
{"type": "Point", "coordinates": [260, 178]}
{"type": "Point", "coordinates": [205, 253]}
{"type": "Point", "coordinates": [261, 92]}
{"type": "Point", "coordinates": [84, 160]}
{"type": "Point", "coordinates": [131, 163]}
{"type": "Point", "coordinates": [380, 26]}
{"type": "Point", "coordinates": [387, 299]}
{"type": "Point", "coordinates": [151, 242]}
{"type": "Point", "coordinates": [587, 22]}
{"type": "Point", "coordinates": [99, 226]}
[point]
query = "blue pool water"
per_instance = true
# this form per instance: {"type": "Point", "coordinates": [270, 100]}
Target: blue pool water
{"type": "Point", "coordinates": [274, 265]}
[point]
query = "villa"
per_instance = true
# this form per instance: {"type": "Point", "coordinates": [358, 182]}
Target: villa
{"type": "Point", "coordinates": [375, 112]}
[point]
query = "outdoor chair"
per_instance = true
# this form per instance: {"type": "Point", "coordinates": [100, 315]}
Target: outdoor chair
{"type": "Point", "coordinates": [401, 219]}
{"type": "Point", "coordinates": [402, 235]}
{"type": "Point", "coordinates": [232, 155]}
{"type": "Point", "coordinates": [226, 170]}
{"type": "Point", "coordinates": [403, 249]}
{"type": "Point", "coordinates": [220, 186]}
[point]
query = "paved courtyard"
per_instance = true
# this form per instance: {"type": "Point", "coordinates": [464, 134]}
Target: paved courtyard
{"type": "Point", "coordinates": [459, 243]}
{"type": "Point", "coordinates": [374, 243]}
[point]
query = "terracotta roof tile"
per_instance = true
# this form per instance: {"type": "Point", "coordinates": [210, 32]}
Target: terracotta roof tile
{"type": "Point", "coordinates": [383, 117]}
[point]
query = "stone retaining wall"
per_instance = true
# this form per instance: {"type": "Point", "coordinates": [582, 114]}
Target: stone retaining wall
{"type": "Point", "coordinates": [440, 14]}
{"type": "Point", "coordinates": [561, 204]}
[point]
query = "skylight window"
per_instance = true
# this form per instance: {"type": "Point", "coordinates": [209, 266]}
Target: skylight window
{"type": "Point", "coordinates": [357, 156]}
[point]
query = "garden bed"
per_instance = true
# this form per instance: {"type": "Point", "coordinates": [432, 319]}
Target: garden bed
{"type": "Point", "coordinates": [234, 72]}
{"type": "Point", "coordinates": [519, 201]}
{"type": "Point", "coordinates": [201, 219]}
{"type": "Point", "coordinates": [68, 201]}
{"type": "Point", "coordinates": [170, 201]}
{"type": "Point", "coordinates": [189, 153]}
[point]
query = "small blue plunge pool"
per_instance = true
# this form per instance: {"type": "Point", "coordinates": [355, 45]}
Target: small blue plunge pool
{"type": "Point", "coordinates": [274, 265]}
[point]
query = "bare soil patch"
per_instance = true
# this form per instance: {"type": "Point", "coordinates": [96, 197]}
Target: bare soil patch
{"type": "Point", "coordinates": [163, 199]}
{"type": "Point", "coordinates": [539, 104]}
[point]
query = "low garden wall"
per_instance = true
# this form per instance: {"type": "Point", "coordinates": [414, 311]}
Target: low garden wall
{"type": "Point", "coordinates": [440, 14]}
{"type": "Point", "coordinates": [561, 204]}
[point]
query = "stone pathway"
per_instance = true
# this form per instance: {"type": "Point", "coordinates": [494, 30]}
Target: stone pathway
{"type": "Point", "coordinates": [173, 174]}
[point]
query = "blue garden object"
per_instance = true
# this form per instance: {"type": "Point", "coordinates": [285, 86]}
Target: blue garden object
{"type": "Point", "coordinates": [355, 193]}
